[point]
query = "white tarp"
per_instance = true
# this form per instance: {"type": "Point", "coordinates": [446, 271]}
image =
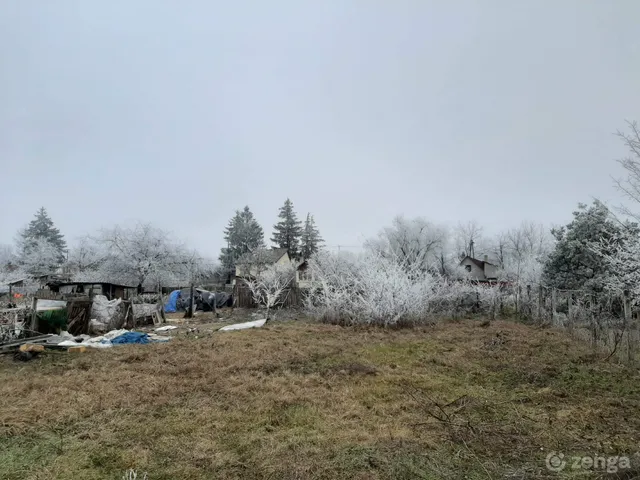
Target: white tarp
{"type": "Point", "coordinates": [109, 312]}
{"type": "Point", "coordinates": [43, 305]}
{"type": "Point", "coordinates": [243, 326]}
{"type": "Point", "coordinates": [166, 329]}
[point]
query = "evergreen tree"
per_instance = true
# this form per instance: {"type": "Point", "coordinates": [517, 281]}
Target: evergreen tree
{"type": "Point", "coordinates": [574, 264]}
{"type": "Point", "coordinates": [243, 234]}
{"type": "Point", "coordinates": [41, 229]}
{"type": "Point", "coordinates": [311, 239]}
{"type": "Point", "coordinates": [288, 230]}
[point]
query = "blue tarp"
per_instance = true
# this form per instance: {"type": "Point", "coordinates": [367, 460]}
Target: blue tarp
{"type": "Point", "coordinates": [172, 303]}
{"type": "Point", "coordinates": [131, 337]}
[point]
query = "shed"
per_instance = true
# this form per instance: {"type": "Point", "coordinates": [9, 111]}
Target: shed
{"type": "Point", "coordinates": [109, 290]}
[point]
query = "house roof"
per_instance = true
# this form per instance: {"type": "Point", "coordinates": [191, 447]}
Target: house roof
{"type": "Point", "coordinates": [479, 263]}
{"type": "Point", "coordinates": [265, 255]}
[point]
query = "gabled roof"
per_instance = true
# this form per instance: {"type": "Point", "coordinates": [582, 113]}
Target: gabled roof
{"type": "Point", "coordinates": [479, 263]}
{"type": "Point", "coordinates": [264, 256]}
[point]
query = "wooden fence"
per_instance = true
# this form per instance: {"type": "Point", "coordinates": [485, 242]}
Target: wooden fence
{"type": "Point", "coordinates": [242, 297]}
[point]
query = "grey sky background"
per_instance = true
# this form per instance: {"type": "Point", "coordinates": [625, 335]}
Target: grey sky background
{"type": "Point", "coordinates": [179, 113]}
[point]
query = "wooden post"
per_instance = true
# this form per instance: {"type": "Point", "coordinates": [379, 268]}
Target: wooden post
{"type": "Point", "coordinates": [554, 299]}
{"type": "Point", "coordinates": [34, 317]}
{"type": "Point", "coordinates": [517, 300]}
{"type": "Point", "coordinates": [192, 303]}
{"type": "Point", "coordinates": [570, 312]}
{"type": "Point", "coordinates": [628, 326]}
{"type": "Point", "coordinates": [594, 329]}
{"type": "Point", "coordinates": [540, 293]}
{"type": "Point", "coordinates": [529, 309]}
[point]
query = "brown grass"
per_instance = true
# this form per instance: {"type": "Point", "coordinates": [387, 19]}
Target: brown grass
{"type": "Point", "coordinates": [297, 400]}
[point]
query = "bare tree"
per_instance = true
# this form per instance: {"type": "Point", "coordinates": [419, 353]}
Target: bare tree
{"type": "Point", "coordinates": [414, 243]}
{"type": "Point", "coordinates": [528, 239]}
{"type": "Point", "coordinates": [268, 285]}
{"type": "Point", "coordinates": [41, 258]}
{"type": "Point", "coordinates": [140, 254]}
{"type": "Point", "coordinates": [86, 255]}
{"type": "Point", "coordinates": [468, 238]}
{"type": "Point", "coordinates": [630, 186]}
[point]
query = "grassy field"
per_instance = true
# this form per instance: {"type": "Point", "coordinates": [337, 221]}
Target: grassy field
{"type": "Point", "coordinates": [297, 400]}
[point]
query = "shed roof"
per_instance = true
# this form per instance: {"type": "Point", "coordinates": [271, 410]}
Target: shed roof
{"type": "Point", "coordinates": [100, 282]}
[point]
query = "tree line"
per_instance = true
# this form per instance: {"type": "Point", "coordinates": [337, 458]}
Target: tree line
{"type": "Point", "coordinates": [597, 252]}
{"type": "Point", "coordinates": [244, 235]}
{"type": "Point", "coordinates": [146, 255]}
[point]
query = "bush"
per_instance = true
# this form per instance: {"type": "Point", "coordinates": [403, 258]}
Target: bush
{"type": "Point", "coordinates": [372, 289]}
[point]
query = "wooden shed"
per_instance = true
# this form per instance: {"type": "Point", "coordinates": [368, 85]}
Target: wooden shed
{"type": "Point", "coordinates": [109, 290]}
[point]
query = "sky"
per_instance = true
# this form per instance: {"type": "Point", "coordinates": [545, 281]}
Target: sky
{"type": "Point", "coordinates": [179, 113]}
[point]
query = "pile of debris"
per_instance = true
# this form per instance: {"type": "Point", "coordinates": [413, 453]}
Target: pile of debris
{"type": "Point", "coordinates": [180, 300]}
{"type": "Point", "coordinates": [27, 348]}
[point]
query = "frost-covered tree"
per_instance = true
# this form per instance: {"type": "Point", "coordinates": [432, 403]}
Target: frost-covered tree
{"type": "Point", "coordinates": [268, 285]}
{"type": "Point", "coordinates": [86, 255]}
{"type": "Point", "coordinates": [521, 252]}
{"type": "Point", "coordinates": [621, 253]}
{"type": "Point", "coordinates": [7, 257]}
{"type": "Point", "coordinates": [243, 235]}
{"type": "Point", "coordinates": [138, 254]}
{"type": "Point", "coordinates": [288, 231]}
{"type": "Point", "coordinates": [573, 264]}
{"type": "Point", "coordinates": [42, 228]}
{"type": "Point", "coordinates": [416, 244]}
{"type": "Point", "coordinates": [41, 258]}
{"type": "Point", "coordinates": [374, 289]}
{"type": "Point", "coordinates": [311, 240]}
{"type": "Point", "coordinates": [621, 248]}
{"type": "Point", "coordinates": [630, 186]}
{"type": "Point", "coordinates": [468, 239]}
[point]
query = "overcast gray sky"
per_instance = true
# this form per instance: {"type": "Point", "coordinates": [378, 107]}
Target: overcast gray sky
{"type": "Point", "coordinates": [179, 113]}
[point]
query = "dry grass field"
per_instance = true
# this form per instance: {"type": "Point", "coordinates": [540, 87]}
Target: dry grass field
{"type": "Point", "coordinates": [297, 400]}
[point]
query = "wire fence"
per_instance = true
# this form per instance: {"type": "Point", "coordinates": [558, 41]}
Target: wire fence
{"type": "Point", "coordinates": [607, 321]}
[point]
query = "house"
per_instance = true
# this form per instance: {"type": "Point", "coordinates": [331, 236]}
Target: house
{"type": "Point", "coordinates": [109, 290]}
{"type": "Point", "coordinates": [480, 270]}
{"type": "Point", "coordinates": [251, 263]}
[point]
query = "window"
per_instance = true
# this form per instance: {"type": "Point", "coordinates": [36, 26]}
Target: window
{"type": "Point", "coordinates": [467, 268]}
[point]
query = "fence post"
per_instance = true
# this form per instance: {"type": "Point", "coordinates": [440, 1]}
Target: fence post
{"type": "Point", "coordinates": [530, 310]}
{"type": "Point", "coordinates": [570, 313]}
{"type": "Point", "coordinates": [592, 314]}
{"type": "Point", "coordinates": [554, 300]}
{"type": "Point", "coordinates": [629, 327]}
{"type": "Point", "coordinates": [517, 300]}
{"type": "Point", "coordinates": [540, 303]}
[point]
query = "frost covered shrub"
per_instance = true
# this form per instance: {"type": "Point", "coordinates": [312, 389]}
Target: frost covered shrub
{"type": "Point", "coordinates": [375, 290]}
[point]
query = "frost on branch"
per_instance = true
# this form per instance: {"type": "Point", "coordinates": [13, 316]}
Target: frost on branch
{"type": "Point", "coordinates": [378, 290]}
{"type": "Point", "coordinates": [416, 244]}
{"type": "Point", "coordinates": [40, 258]}
{"type": "Point", "coordinates": [269, 284]}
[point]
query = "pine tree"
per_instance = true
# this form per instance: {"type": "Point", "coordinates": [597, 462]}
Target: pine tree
{"type": "Point", "coordinates": [41, 228]}
{"type": "Point", "coordinates": [573, 264]}
{"type": "Point", "coordinates": [311, 239]}
{"type": "Point", "coordinates": [243, 234]}
{"type": "Point", "coordinates": [288, 230]}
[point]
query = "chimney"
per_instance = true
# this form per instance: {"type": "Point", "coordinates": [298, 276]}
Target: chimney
{"type": "Point", "coordinates": [486, 258]}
